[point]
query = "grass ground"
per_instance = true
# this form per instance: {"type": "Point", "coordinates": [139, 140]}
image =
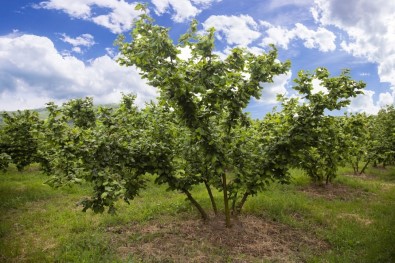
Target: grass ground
{"type": "Point", "coordinates": [351, 221]}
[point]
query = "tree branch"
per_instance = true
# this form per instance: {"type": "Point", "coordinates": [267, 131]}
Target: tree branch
{"type": "Point", "coordinates": [196, 204]}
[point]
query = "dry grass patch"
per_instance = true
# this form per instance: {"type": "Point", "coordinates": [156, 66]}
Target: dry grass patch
{"type": "Point", "coordinates": [335, 191]}
{"type": "Point", "coordinates": [250, 239]}
{"type": "Point", "coordinates": [362, 176]}
{"type": "Point", "coordinates": [387, 186]}
{"type": "Point", "coordinates": [355, 217]}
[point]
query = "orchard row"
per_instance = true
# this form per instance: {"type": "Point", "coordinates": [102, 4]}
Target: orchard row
{"type": "Point", "coordinates": [198, 132]}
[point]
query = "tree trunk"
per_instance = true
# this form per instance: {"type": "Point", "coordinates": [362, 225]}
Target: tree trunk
{"type": "Point", "coordinates": [327, 179]}
{"type": "Point", "coordinates": [226, 201]}
{"type": "Point", "coordinates": [364, 167]}
{"type": "Point", "coordinates": [354, 168]}
{"type": "Point", "coordinates": [196, 204]}
{"type": "Point", "coordinates": [242, 202]}
{"type": "Point", "coordinates": [214, 205]}
{"type": "Point", "coordinates": [234, 205]}
{"type": "Point", "coordinates": [385, 162]}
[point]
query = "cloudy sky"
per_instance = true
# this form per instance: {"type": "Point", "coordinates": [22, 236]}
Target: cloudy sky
{"type": "Point", "coordinates": [54, 50]}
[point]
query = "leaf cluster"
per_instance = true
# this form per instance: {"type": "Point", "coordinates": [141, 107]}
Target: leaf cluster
{"type": "Point", "coordinates": [18, 143]}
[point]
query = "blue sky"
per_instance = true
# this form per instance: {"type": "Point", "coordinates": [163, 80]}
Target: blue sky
{"type": "Point", "coordinates": [55, 50]}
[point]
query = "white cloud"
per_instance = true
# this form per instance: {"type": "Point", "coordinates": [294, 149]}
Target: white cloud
{"type": "Point", "coordinates": [277, 35]}
{"type": "Point", "coordinates": [256, 50]}
{"type": "Point", "coordinates": [85, 40]}
{"type": "Point", "coordinates": [110, 52]}
{"type": "Point", "coordinates": [386, 98]}
{"type": "Point", "coordinates": [32, 72]}
{"type": "Point", "coordinates": [370, 26]}
{"type": "Point", "coordinates": [274, 4]}
{"type": "Point", "coordinates": [183, 9]}
{"type": "Point", "coordinates": [77, 50]}
{"type": "Point", "coordinates": [364, 103]}
{"type": "Point", "coordinates": [237, 30]}
{"type": "Point", "coordinates": [24, 98]}
{"type": "Point", "coordinates": [243, 30]}
{"type": "Point", "coordinates": [317, 87]}
{"type": "Point", "coordinates": [271, 90]}
{"type": "Point", "coordinates": [118, 16]}
{"type": "Point", "coordinates": [205, 3]}
{"type": "Point", "coordinates": [322, 38]}
{"type": "Point", "coordinates": [185, 53]}
{"type": "Point", "coordinates": [227, 50]}
{"type": "Point", "coordinates": [386, 68]}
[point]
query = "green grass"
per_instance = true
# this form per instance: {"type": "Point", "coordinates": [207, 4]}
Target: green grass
{"type": "Point", "coordinates": [355, 218]}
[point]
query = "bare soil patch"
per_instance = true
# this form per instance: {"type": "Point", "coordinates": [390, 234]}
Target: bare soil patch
{"type": "Point", "coordinates": [335, 191]}
{"type": "Point", "coordinates": [251, 239]}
